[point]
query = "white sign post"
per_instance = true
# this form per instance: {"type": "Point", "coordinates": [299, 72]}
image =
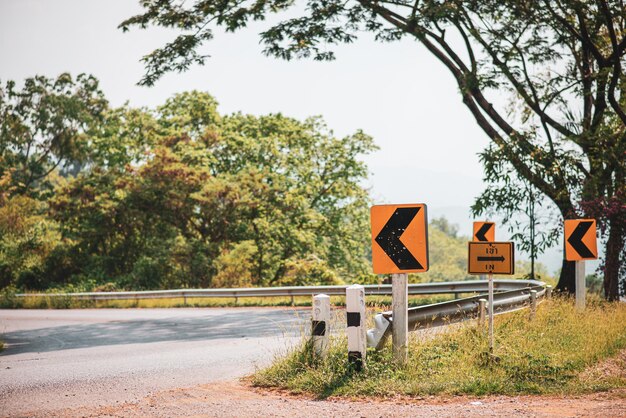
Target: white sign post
{"type": "Point", "coordinates": [490, 313]}
{"type": "Point", "coordinates": [581, 288]}
{"type": "Point", "coordinates": [357, 332]}
{"type": "Point", "coordinates": [400, 324]}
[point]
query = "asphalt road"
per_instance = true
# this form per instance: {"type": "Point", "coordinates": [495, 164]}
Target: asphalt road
{"type": "Point", "coordinates": [58, 359]}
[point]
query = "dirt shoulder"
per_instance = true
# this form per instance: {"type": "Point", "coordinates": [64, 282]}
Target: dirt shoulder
{"type": "Point", "coordinates": [236, 399]}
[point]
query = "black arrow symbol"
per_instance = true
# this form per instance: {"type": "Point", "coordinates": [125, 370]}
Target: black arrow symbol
{"type": "Point", "coordinates": [480, 234]}
{"type": "Point", "coordinates": [389, 239]}
{"type": "Point", "coordinates": [500, 258]}
{"type": "Point", "coordinates": [575, 239]}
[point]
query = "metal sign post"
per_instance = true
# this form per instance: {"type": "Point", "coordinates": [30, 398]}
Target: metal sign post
{"type": "Point", "coordinates": [581, 288]}
{"type": "Point", "coordinates": [490, 313]}
{"type": "Point", "coordinates": [400, 325]}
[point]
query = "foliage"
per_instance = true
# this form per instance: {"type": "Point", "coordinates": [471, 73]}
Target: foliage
{"type": "Point", "coordinates": [526, 212]}
{"type": "Point", "coordinates": [554, 353]}
{"type": "Point", "coordinates": [27, 240]}
{"type": "Point", "coordinates": [180, 196]}
{"type": "Point", "coordinates": [447, 254]}
{"type": "Point", "coordinates": [44, 126]}
{"type": "Point", "coordinates": [562, 63]}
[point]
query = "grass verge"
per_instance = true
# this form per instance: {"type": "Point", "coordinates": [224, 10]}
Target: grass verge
{"type": "Point", "coordinates": [556, 353]}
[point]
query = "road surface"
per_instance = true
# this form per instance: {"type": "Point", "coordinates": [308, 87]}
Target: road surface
{"type": "Point", "coordinates": [58, 359]}
{"type": "Point", "coordinates": [185, 362]}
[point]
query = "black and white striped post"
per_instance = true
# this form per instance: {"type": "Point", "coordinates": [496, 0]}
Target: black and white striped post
{"type": "Point", "coordinates": [320, 326]}
{"type": "Point", "coordinates": [357, 333]}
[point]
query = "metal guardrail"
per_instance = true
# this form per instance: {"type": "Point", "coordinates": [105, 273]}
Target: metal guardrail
{"type": "Point", "coordinates": [474, 286]}
{"type": "Point", "coordinates": [514, 295]}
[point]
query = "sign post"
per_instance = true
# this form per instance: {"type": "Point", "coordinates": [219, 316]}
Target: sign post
{"type": "Point", "coordinates": [400, 308]}
{"type": "Point", "coordinates": [491, 258]}
{"type": "Point", "coordinates": [490, 313]}
{"type": "Point", "coordinates": [580, 245]}
{"type": "Point", "coordinates": [399, 247]}
{"type": "Point", "coordinates": [581, 286]}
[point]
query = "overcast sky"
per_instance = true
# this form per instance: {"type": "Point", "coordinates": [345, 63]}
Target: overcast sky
{"type": "Point", "coordinates": [397, 92]}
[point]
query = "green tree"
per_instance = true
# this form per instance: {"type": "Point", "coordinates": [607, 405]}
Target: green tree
{"type": "Point", "coordinates": [562, 62]}
{"type": "Point", "coordinates": [523, 208]}
{"type": "Point", "coordinates": [218, 201]}
{"type": "Point", "coordinates": [27, 238]}
{"type": "Point", "coordinates": [44, 127]}
{"type": "Point", "coordinates": [447, 253]}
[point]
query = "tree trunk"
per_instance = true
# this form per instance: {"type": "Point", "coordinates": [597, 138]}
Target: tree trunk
{"type": "Point", "coordinates": [567, 280]}
{"type": "Point", "coordinates": [614, 247]}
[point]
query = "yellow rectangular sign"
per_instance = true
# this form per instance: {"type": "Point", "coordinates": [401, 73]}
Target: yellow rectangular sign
{"type": "Point", "coordinates": [491, 258]}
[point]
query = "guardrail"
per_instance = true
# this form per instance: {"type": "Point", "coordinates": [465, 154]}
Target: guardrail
{"type": "Point", "coordinates": [474, 286]}
{"type": "Point", "coordinates": [515, 294]}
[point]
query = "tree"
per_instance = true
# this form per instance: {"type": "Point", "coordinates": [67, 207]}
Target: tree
{"type": "Point", "coordinates": [521, 206]}
{"type": "Point", "coordinates": [218, 200]}
{"type": "Point", "coordinates": [562, 62]}
{"type": "Point", "coordinates": [27, 238]}
{"type": "Point", "coordinates": [44, 127]}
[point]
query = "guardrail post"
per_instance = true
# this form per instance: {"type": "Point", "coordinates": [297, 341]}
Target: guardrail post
{"type": "Point", "coordinates": [357, 334]}
{"type": "Point", "coordinates": [482, 312]}
{"type": "Point", "coordinates": [293, 302]}
{"type": "Point", "coordinates": [400, 324]}
{"type": "Point", "coordinates": [548, 292]}
{"type": "Point", "coordinates": [320, 326]}
{"type": "Point", "coordinates": [533, 304]}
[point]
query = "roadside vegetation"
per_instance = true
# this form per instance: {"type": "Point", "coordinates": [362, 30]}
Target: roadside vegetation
{"type": "Point", "coordinates": [96, 198]}
{"type": "Point", "coordinates": [561, 351]}
{"type": "Point", "coordinates": [176, 196]}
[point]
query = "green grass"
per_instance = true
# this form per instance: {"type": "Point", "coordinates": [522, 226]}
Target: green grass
{"type": "Point", "coordinates": [554, 354]}
{"type": "Point", "coordinates": [9, 301]}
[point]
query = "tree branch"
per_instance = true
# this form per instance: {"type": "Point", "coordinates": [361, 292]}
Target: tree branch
{"type": "Point", "coordinates": [616, 62]}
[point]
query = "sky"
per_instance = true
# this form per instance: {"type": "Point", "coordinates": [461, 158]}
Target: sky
{"type": "Point", "coordinates": [396, 92]}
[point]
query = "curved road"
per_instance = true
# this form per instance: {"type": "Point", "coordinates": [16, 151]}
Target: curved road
{"type": "Point", "coordinates": [58, 359]}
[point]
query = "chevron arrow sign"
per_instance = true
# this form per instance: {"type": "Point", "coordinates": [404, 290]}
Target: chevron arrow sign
{"type": "Point", "coordinates": [580, 239]}
{"type": "Point", "coordinates": [399, 238]}
{"type": "Point", "coordinates": [484, 231]}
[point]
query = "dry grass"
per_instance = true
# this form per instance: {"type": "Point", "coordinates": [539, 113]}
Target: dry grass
{"type": "Point", "coordinates": [558, 352]}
